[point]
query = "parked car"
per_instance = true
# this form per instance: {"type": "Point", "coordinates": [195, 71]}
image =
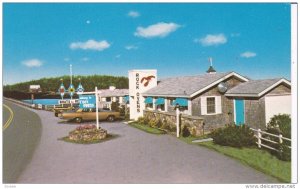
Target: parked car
{"type": "Point", "coordinates": [59, 110]}
{"type": "Point", "coordinates": [90, 114]}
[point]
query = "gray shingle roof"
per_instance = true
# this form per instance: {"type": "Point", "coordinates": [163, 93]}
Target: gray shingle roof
{"type": "Point", "coordinates": [183, 86]}
{"type": "Point", "coordinates": [252, 87]}
{"type": "Point", "coordinates": [115, 92]}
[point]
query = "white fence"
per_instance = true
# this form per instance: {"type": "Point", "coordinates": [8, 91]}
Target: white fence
{"type": "Point", "coordinates": [259, 137]}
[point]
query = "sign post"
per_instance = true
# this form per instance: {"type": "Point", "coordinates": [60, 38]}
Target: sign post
{"type": "Point", "coordinates": [139, 82]}
{"type": "Point", "coordinates": [177, 120]}
{"type": "Point", "coordinates": [97, 115]}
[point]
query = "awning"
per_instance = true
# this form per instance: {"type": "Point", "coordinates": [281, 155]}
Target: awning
{"type": "Point", "coordinates": [149, 100]}
{"type": "Point", "coordinates": [160, 101]}
{"type": "Point", "coordinates": [126, 99]}
{"type": "Point", "coordinates": [180, 102]}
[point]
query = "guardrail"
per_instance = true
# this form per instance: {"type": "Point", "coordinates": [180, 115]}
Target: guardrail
{"type": "Point", "coordinates": [259, 137]}
{"type": "Point", "coordinates": [38, 106]}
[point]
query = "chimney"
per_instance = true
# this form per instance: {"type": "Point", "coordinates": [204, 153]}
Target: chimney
{"type": "Point", "coordinates": [211, 69]}
{"type": "Point", "coordinates": [111, 88]}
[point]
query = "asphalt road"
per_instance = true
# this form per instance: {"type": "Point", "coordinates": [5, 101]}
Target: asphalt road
{"type": "Point", "coordinates": [21, 135]}
{"type": "Point", "coordinates": [132, 157]}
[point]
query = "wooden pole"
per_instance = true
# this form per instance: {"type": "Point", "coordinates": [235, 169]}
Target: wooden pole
{"type": "Point", "coordinates": [97, 115]}
{"type": "Point", "coordinates": [259, 138]}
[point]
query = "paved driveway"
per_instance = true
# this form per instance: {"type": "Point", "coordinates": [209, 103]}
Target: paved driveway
{"type": "Point", "coordinates": [133, 157]}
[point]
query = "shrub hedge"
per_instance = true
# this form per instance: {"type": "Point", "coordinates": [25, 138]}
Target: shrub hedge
{"type": "Point", "coordinates": [234, 136]}
{"type": "Point", "coordinates": [280, 124]}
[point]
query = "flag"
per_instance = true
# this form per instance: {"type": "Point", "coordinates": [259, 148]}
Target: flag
{"type": "Point", "coordinates": [80, 89]}
{"type": "Point", "coordinates": [62, 90]}
{"type": "Point", "coordinates": [71, 90]}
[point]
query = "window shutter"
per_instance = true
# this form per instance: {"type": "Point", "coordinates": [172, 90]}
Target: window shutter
{"type": "Point", "coordinates": [218, 105]}
{"type": "Point", "coordinates": [203, 106]}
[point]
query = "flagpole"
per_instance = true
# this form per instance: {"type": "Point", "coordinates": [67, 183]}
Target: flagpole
{"type": "Point", "coordinates": [71, 76]}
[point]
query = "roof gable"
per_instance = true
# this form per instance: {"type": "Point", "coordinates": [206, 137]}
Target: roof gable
{"type": "Point", "coordinates": [256, 88]}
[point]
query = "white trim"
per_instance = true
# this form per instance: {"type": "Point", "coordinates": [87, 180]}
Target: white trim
{"type": "Point", "coordinates": [283, 94]}
{"type": "Point", "coordinates": [241, 95]}
{"type": "Point", "coordinates": [204, 98]}
{"type": "Point", "coordinates": [275, 85]}
{"type": "Point", "coordinates": [166, 105]}
{"type": "Point", "coordinates": [166, 95]}
{"type": "Point", "coordinates": [234, 116]}
{"type": "Point", "coordinates": [189, 110]}
{"type": "Point", "coordinates": [218, 81]}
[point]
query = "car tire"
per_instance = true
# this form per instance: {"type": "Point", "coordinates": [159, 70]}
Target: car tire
{"type": "Point", "coordinates": [78, 119]}
{"type": "Point", "coordinates": [111, 118]}
{"type": "Point", "coordinates": [56, 114]}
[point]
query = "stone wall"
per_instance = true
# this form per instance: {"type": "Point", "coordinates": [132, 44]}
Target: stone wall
{"type": "Point", "coordinates": [193, 123]}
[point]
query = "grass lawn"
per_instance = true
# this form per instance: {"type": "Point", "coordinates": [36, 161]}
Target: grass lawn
{"type": "Point", "coordinates": [254, 157]}
{"type": "Point", "coordinates": [147, 128]}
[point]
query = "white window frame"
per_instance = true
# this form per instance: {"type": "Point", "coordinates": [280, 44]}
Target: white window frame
{"type": "Point", "coordinates": [218, 101]}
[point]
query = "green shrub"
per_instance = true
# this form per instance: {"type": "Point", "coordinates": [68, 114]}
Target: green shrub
{"type": "Point", "coordinates": [283, 121]}
{"type": "Point", "coordinates": [280, 124]}
{"type": "Point", "coordinates": [165, 125]}
{"type": "Point", "coordinates": [235, 136]}
{"type": "Point", "coordinates": [284, 152]}
{"type": "Point", "coordinates": [115, 106]}
{"type": "Point", "coordinates": [140, 120]}
{"type": "Point", "coordinates": [155, 123]}
{"type": "Point", "coordinates": [186, 131]}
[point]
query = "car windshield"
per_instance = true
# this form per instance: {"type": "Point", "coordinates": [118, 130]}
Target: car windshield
{"type": "Point", "coordinates": [74, 110]}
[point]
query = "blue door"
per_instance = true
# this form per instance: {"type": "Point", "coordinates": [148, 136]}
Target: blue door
{"type": "Point", "coordinates": [239, 112]}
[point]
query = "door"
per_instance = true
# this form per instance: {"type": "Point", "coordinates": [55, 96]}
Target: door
{"type": "Point", "coordinates": [239, 112]}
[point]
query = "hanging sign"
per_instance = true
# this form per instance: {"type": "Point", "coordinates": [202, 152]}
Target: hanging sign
{"type": "Point", "coordinates": [87, 101]}
{"type": "Point", "coordinates": [80, 89]}
{"type": "Point", "coordinates": [71, 90]}
{"type": "Point", "coordinates": [62, 90]}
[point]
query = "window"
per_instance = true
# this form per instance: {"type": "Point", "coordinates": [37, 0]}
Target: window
{"type": "Point", "coordinates": [171, 101]}
{"type": "Point", "coordinates": [211, 105]}
{"type": "Point", "coordinates": [108, 99]}
{"type": "Point", "coordinates": [161, 107]}
{"type": "Point", "coordinates": [150, 105]}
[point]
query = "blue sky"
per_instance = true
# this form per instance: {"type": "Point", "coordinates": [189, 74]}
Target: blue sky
{"type": "Point", "coordinates": [41, 40]}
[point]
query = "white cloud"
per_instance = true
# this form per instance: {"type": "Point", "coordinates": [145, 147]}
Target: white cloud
{"type": "Point", "coordinates": [131, 47]}
{"type": "Point", "coordinates": [118, 56]}
{"type": "Point", "coordinates": [66, 59]}
{"type": "Point", "coordinates": [212, 40]}
{"type": "Point", "coordinates": [133, 14]}
{"type": "Point", "coordinates": [85, 59]}
{"type": "Point", "coordinates": [88, 21]}
{"type": "Point", "coordinates": [32, 63]}
{"type": "Point", "coordinates": [160, 29]}
{"type": "Point", "coordinates": [248, 54]}
{"type": "Point", "coordinates": [90, 45]}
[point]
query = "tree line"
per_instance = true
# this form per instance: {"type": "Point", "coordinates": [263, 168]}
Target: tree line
{"type": "Point", "coordinates": [88, 82]}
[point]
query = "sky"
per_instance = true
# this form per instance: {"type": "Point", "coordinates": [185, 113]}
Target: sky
{"type": "Point", "coordinates": [43, 39]}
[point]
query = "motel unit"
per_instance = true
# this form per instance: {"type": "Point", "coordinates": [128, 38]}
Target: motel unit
{"type": "Point", "coordinates": [217, 98]}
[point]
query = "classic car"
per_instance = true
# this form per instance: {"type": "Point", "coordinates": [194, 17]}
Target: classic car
{"type": "Point", "coordinates": [90, 114]}
{"type": "Point", "coordinates": [57, 111]}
